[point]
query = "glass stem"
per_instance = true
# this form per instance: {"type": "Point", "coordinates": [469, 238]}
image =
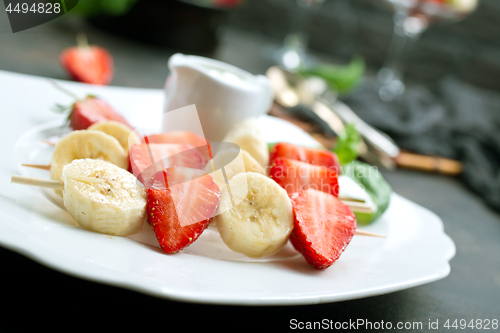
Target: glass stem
{"type": "Point", "coordinates": [407, 31]}
{"type": "Point", "coordinates": [295, 43]}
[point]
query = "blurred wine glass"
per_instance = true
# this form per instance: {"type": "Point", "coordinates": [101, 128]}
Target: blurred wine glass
{"type": "Point", "coordinates": [411, 19]}
{"type": "Point", "coordinates": [293, 53]}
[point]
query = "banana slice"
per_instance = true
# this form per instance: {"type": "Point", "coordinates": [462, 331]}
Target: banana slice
{"type": "Point", "coordinates": [247, 136]}
{"type": "Point", "coordinates": [125, 136]}
{"type": "Point", "coordinates": [261, 223]}
{"type": "Point", "coordinates": [233, 161]}
{"type": "Point", "coordinates": [86, 144]}
{"type": "Point", "coordinates": [103, 197]}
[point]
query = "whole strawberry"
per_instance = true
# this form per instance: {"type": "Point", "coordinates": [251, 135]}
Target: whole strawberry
{"type": "Point", "coordinates": [92, 110]}
{"type": "Point", "coordinates": [88, 64]}
{"type": "Point", "coordinates": [85, 112]}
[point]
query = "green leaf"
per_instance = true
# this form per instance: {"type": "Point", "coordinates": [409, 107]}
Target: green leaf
{"type": "Point", "coordinates": [374, 184]}
{"type": "Point", "coordinates": [61, 108]}
{"type": "Point", "coordinates": [340, 78]}
{"type": "Point", "coordinates": [271, 145]}
{"type": "Point", "coordinates": [89, 8]}
{"type": "Point", "coordinates": [347, 144]}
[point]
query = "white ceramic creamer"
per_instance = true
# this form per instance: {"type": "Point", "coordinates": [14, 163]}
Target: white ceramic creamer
{"type": "Point", "coordinates": [224, 95]}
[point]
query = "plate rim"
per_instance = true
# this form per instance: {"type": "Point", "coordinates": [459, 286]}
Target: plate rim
{"type": "Point", "coordinates": [59, 262]}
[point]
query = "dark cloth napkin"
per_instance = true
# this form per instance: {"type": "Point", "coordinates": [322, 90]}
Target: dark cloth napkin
{"type": "Point", "coordinates": [449, 118]}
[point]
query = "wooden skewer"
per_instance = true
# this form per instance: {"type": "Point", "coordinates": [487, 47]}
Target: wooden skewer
{"type": "Point", "coordinates": [358, 206]}
{"type": "Point", "coordinates": [58, 185]}
{"type": "Point", "coordinates": [429, 163]}
{"type": "Point", "coordinates": [351, 199]}
{"type": "Point", "coordinates": [50, 143]}
{"type": "Point", "coordinates": [366, 233]}
{"type": "Point", "coordinates": [47, 183]}
{"type": "Point", "coordinates": [38, 166]}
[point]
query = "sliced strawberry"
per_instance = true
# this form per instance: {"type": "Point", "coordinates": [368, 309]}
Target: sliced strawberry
{"type": "Point", "coordinates": [88, 64]}
{"type": "Point", "coordinates": [294, 175]}
{"type": "Point", "coordinates": [181, 203]}
{"type": "Point", "coordinates": [147, 160]}
{"type": "Point", "coordinates": [92, 110]}
{"type": "Point", "coordinates": [314, 156]}
{"type": "Point", "coordinates": [323, 227]}
{"type": "Point", "coordinates": [183, 137]}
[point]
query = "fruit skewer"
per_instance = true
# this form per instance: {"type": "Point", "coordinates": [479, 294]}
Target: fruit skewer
{"type": "Point", "coordinates": [59, 185]}
{"type": "Point", "coordinates": [355, 205]}
{"type": "Point", "coordinates": [351, 201]}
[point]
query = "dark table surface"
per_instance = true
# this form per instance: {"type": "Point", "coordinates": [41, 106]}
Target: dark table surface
{"type": "Point", "coordinates": [35, 296]}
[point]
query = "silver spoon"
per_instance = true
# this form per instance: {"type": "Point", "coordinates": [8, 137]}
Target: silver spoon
{"type": "Point", "coordinates": [321, 103]}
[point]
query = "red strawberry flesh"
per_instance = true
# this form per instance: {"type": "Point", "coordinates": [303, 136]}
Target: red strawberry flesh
{"type": "Point", "coordinates": [319, 157]}
{"type": "Point", "coordinates": [177, 137]}
{"type": "Point", "coordinates": [88, 64]}
{"type": "Point", "coordinates": [92, 110]}
{"type": "Point", "coordinates": [323, 227]}
{"type": "Point", "coordinates": [181, 204]}
{"type": "Point", "coordinates": [294, 175]}
{"type": "Point", "coordinates": [182, 137]}
{"type": "Point", "coordinates": [146, 160]}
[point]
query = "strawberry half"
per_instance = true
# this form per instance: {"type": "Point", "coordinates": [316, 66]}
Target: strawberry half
{"type": "Point", "coordinates": [182, 137]}
{"type": "Point", "coordinates": [88, 64]}
{"type": "Point", "coordinates": [294, 175]}
{"type": "Point", "coordinates": [92, 110]}
{"type": "Point", "coordinates": [323, 227]}
{"type": "Point", "coordinates": [314, 156]}
{"type": "Point", "coordinates": [181, 203]}
{"type": "Point", "coordinates": [147, 160]}
{"type": "Point", "coordinates": [185, 137]}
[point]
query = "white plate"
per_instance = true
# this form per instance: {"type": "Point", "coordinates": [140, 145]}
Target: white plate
{"type": "Point", "coordinates": [416, 251]}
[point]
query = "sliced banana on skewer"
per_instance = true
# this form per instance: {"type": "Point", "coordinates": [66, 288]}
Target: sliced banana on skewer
{"type": "Point", "coordinates": [247, 136]}
{"type": "Point", "coordinates": [233, 161]}
{"type": "Point", "coordinates": [99, 195]}
{"type": "Point", "coordinates": [125, 136]}
{"type": "Point", "coordinates": [103, 197]}
{"type": "Point", "coordinates": [261, 223]}
{"type": "Point", "coordinates": [86, 144]}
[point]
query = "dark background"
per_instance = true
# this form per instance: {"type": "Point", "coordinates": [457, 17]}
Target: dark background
{"type": "Point", "coordinates": [469, 49]}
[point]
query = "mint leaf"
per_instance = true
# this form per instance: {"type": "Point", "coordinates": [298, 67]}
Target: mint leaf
{"type": "Point", "coordinates": [340, 78]}
{"type": "Point", "coordinates": [347, 144]}
{"type": "Point", "coordinates": [374, 184]}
